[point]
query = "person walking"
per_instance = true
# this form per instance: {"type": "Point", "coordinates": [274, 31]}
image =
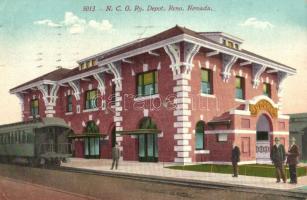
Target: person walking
{"type": "Point", "coordinates": [292, 160]}
{"type": "Point", "coordinates": [278, 157]}
{"type": "Point", "coordinates": [115, 156]}
{"type": "Point", "coordinates": [235, 158]}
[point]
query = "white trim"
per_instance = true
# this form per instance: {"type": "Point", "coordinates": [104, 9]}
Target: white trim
{"type": "Point", "coordinates": [235, 131]}
{"type": "Point", "coordinates": [207, 95]}
{"type": "Point", "coordinates": [182, 148]}
{"type": "Point", "coordinates": [239, 54]}
{"type": "Point", "coordinates": [240, 112]}
{"type": "Point", "coordinates": [143, 98]}
{"type": "Point", "coordinates": [279, 133]}
{"type": "Point", "coordinates": [183, 160]}
{"type": "Point", "coordinates": [33, 85]}
{"type": "Point", "coordinates": [240, 100]}
{"type": "Point", "coordinates": [90, 110]}
{"type": "Point", "coordinates": [183, 154]}
{"type": "Point", "coordinates": [160, 44]}
{"type": "Point", "coordinates": [283, 117]}
{"type": "Point", "coordinates": [182, 112]}
{"type": "Point", "coordinates": [69, 113]}
{"type": "Point", "coordinates": [178, 100]}
{"type": "Point", "coordinates": [185, 136]}
{"type": "Point", "coordinates": [183, 142]}
{"type": "Point", "coordinates": [261, 97]}
{"type": "Point", "coordinates": [204, 151]}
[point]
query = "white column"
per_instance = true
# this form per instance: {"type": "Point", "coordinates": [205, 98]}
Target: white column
{"type": "Point", "coordinates": [115, 68]}
{"type": "Point", "coordinates": [182, 75]}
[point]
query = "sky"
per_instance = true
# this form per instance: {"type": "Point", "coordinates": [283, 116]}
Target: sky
{"type": "Point", "coordinates": [38, 36]}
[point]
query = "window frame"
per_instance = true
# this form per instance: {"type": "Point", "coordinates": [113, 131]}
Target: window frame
{"type": "Point", "coordinates": [266, 86]}
{"type": "Point", "coordinates": [197, 134]}
{"type": "Point", "coordinates": [155, 83]}
{"type": "Point", "coordinates": [89, 100]}
{"type": "Point", "coordinates": [34, 114]}
{"type": "Point", "coordinates": [69, 103]}
{"type": "Point", "coordinates": [210, 81]}
{"type": "Point", "coordinates": [242, 84]}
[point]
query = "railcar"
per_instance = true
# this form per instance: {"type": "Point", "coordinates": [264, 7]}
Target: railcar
{"type": "Point", "coordinates": [41, 141]}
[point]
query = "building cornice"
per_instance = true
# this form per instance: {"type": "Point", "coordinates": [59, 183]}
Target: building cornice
{"type": "Point", "coordinates": [102, 65]}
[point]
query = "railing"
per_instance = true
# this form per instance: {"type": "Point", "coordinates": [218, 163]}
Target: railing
{"type": "Point", "coordinates": [61, 148]}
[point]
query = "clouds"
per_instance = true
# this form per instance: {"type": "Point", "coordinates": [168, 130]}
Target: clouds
{"type": "Point", "coordinates": [104, 25]}
{"type": "Point", "coordinates": [47, 22]}
{"type": "Point", "coordinates": [257, 24]}
{"type": "Point", "coordinates": [75, 24]}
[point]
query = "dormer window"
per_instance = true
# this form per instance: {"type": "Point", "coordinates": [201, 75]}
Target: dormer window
{"type": "Point", "coordinates": [88, 64]}
{"type": "Point", "coordinates": [229, 44]}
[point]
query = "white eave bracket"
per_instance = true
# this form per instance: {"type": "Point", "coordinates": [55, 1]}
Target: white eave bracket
{"type": "Point", "coordinates": [228, 62]}
{"type": "Point", "coordinates": [257, 70]}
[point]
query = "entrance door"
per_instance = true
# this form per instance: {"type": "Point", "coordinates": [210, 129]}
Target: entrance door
{"type": "Point", "coordinates": [91, 147]}
{"type": "Point", "coordinates": [262, 147]}
{"type": "Point", "coordinates": [263, 140]}
{"type": "Point", "coordinates": [148, 148]}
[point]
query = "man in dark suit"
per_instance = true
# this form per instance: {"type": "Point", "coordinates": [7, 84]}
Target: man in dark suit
{"type": "Point", "coordinates": [292, 160]}
{"type": "Point", "coordinates": [235, 158]}
{"type": "Point", "coordinates": [115, 156]}
{"type": "Point", "coordinates": [278, 157]}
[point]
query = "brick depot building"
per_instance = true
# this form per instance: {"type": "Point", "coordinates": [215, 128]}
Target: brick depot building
{"type": "Point", "coordinates": [178, 96]}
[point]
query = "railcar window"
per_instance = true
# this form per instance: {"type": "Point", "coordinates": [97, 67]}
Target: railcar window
{"type": "Point", "coordinates": [24, 137]}
{"type": "Point", "coordinates": [15, 138]}
{"type": "Point", "coordinates": [29, 138]}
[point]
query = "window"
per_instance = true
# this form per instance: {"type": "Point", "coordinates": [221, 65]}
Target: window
{"type": "Point", "coordinates": [147, 83]}
{"type": "Point", "coordinates": [230, 44]}
{"type": "Point", "coordinates": [199, 135]}
{"type": "Point", "coordinates": [267, 89]}
{"type": "Point", "coordinates": [236, 46]}
{"type": "Point", "coordinates": [34, 107]}
{"type": "Point", "coordinates": [69, 103]}
{"type": "Point", "coordinates": [224, 42]}
{"type": "Point", "coordinates": [206, 86]}
{"type": "Point", "coordinates": [91, 99]}
{"type": "Point", "coordinates": [239, 87]}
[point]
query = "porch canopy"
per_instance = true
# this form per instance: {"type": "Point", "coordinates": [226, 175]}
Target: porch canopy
{"type": "Point", "coordinates": [139, 131]}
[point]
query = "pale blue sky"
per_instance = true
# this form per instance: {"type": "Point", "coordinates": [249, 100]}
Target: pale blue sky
{"type": "Point", "coordinates": [28, 36]}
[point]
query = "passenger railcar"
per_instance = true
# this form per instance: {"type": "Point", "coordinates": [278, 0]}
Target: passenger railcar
{"type": "Point", "coordinates": [39, 141]}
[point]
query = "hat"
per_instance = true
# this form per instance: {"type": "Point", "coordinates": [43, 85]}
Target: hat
{"type": "Point", "coordinates": [277, 139]}
{"type": "Point", "coordinates": [292, 139]}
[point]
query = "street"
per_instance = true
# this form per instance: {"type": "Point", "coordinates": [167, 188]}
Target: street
{"type": "Point", "coordinates": [11, 189]}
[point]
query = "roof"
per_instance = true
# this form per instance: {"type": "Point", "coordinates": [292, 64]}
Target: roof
{"type": "Point", "coordinates": [55, 75]}
{"type": "Point", "coordinates": [170, 33]}
{"type": "Point", "coordinates": [35, 123]}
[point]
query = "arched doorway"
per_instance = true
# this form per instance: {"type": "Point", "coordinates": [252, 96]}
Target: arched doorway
{"type": "Point", "coordinates": [148, 142]}
{"type": "Point", "coordinates": [263, 129]}
{"type": "Point", "coordinates": [91, 140]}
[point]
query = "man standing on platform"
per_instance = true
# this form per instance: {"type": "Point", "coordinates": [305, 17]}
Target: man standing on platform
{"type": "Point", "coordinates": [115, 156]}
{"type": "Point", "coordinates": [235, 158]}
{"type": "Point", "coordinates": [278, 157]}
{"type": "Point", "coordinates": [292, 160]}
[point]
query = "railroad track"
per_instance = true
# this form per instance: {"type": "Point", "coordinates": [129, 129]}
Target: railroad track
{"type": "Point", "coordinates": [184, 183]}
{"type": "Point", "coordinates": [189, 183]}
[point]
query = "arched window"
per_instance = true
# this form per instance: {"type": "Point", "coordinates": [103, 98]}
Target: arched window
{"type": "Point", "coordinates": [199, 135]}
{"type": "Point", "coordinates": [147, 123]}
{"type": "Point", "coordinates": [91, 127]}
